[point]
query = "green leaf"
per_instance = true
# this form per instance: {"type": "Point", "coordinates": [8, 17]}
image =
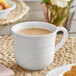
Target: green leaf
{"type": "Point", "coordinates": [70, 2]}
{"type": "Point", "coordinates": [45, 1]}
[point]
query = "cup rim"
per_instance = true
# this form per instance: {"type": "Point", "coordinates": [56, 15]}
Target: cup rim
{"type": "Point", "coordinates": [12, 29]}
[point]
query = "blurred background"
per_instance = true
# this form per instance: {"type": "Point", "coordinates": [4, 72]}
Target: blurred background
{"type": "Point", "coordinates": [36, 13]}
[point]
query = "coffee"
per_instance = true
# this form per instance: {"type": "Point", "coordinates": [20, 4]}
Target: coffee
{"type": "Point", "coordinates": [34, 31]}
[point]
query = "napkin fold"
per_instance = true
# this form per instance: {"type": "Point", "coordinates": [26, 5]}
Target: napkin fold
{"type": "Point", "coordinates": [5, 71]}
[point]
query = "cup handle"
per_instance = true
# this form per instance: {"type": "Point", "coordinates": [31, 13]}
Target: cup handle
{"type": "Point", "coordinates": [65, 36]}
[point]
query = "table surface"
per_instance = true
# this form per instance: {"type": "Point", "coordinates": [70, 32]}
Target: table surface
{"type": "Point", "coordinates": [36, 14]}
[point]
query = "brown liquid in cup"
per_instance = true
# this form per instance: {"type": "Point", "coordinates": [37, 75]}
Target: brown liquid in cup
{"type": "Point", "coordinates": [34, 31]}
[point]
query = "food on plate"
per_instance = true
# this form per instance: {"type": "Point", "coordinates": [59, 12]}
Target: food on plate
{"type": "Point", "coordinates": [73, 68]}
{"type": "Point", "coordinates": [1, 8]}
{"type": "Point", "coordinates": [4, 5]}
{"type": "Point", "coordinates": [72, 72]}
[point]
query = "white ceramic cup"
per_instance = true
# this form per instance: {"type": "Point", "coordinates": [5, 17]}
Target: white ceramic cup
{"type": "Point", "coordinates": [36, 52]}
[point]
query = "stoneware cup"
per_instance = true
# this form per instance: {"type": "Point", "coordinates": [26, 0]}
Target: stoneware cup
{"type": "Point", "coordinates": [36, 52]}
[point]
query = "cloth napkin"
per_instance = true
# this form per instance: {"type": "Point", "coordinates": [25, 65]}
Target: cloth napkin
{"type": "Point", "coordinates": [5, 71]}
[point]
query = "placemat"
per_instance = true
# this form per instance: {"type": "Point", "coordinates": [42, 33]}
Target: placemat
{"type": "Point", "coordinates": [66, 55]}
{"type": "Point", "coordinates": [17, 14]}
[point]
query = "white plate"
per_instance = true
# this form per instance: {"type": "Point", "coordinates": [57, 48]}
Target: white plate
{"type": "Point", "coordinates": [59, 70]}
{"type": "Point", "coordinates": [5, 12]}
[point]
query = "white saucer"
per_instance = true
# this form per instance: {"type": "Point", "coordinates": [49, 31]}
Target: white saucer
{"type": "Point", "coordinates": [59, 70]}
